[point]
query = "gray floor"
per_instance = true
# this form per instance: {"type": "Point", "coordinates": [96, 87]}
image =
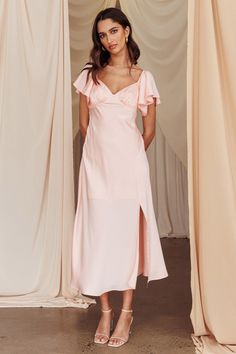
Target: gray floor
{"type": "Point", "coordinates": [161, 318]}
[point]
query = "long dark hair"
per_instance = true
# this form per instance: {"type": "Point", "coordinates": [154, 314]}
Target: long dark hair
{"type": "Point", "coordinates": [98, 57]}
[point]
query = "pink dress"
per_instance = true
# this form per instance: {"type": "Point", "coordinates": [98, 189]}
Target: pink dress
{"type": "Point", "coordinates": [112, 245]}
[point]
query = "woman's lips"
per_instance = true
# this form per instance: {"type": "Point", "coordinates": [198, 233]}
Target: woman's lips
{"type": "Point", "coordinates": [112, 46]}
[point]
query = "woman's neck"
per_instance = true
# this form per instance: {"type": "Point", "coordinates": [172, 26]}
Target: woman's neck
{"type": "Point", "coordinates": [120, 61]}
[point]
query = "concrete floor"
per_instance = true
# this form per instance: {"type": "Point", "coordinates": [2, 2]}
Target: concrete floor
{"type": "Point", "coordinates": [161, 318]}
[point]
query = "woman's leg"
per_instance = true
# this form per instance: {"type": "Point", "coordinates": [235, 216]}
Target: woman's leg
{"type": "Point", "coordinates": [105, 301]}
{"type": "Point", "coordinates": [105, 320]}
{"type": "Point", "coordinates": [123, 324]}
{"type": "Point", "coordinates": [128, 299]}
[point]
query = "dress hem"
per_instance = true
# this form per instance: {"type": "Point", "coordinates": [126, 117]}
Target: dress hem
{"type": "Point", "coordinates": [121, 288]}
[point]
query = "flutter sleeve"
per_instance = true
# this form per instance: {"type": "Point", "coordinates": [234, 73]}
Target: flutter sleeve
{"type": "Point", "coordinates": [148, 92]}
{"type": "Point", "coordinates": [82, 85]}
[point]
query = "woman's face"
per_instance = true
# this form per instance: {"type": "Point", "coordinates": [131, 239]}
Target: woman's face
{"type": "Point", "coordinates": [112, 35]}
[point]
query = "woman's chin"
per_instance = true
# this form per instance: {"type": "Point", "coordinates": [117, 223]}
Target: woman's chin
{"type": "Point", "coordinates": [116, 50]}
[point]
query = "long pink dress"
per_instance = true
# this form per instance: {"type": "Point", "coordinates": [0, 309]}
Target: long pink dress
{"type": "Point", "coordinates": [112, 244]}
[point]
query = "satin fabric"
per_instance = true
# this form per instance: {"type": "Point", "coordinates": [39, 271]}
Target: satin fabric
{"type": "Point", "coordinates": [115, 232]}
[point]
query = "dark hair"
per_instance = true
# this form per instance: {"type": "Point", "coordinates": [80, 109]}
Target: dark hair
{"type": "Point", "coordinates": [98, 57]}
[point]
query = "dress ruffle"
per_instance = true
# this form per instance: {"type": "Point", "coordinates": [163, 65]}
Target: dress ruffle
{"type": "Point", "coordinates": [82, 85]}
{"type": "Point", "coordinates": [148, 92]}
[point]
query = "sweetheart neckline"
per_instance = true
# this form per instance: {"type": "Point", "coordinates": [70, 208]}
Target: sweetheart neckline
{"type": "Point", "coordinates": [114, 94]}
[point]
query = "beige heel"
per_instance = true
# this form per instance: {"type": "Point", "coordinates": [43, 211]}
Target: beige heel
{"type": "Point", "coordinates": [122, 340]}
{"type": "Point", "coordinates": [96, 340]}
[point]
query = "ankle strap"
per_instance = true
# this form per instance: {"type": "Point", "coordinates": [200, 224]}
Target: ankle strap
{"type": "Point", "coordinates": [126, 310]}
{"type": "Point", "coordinates": [106, 310]}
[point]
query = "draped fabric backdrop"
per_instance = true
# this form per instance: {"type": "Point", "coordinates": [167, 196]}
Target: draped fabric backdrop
{"type": "Point", "coordinates": [160, 29]}
{"type": "Point", "coordinates": [212, 173]}
{"type": "Point", "coordinates": [36, 172]}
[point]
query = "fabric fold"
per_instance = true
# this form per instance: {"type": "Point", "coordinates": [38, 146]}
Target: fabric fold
{"type": "Point", "coordinates": [148, 92]}
{"type": "Point", "coordinates": [83, 83]}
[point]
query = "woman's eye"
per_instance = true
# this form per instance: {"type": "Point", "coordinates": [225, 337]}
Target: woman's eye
{"type": "Point", "coordinates": [101, 36]}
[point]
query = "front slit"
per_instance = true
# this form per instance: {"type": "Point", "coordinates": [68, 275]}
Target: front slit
{"type": "Point", "coordinates": [143, 249]}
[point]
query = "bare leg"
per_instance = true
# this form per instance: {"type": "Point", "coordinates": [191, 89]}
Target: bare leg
{"type": "Point", "coordinates": [123, 324]}
{"type": "Point", "coordinates": [105, 320]}
{"type": "Point", "coordinates": [105, 301]}
{"type": "Point", "coordinates": [127, 299]}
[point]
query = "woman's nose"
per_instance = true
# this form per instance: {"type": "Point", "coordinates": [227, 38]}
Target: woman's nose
{"type": "Point", "coordinates": [109, 39]}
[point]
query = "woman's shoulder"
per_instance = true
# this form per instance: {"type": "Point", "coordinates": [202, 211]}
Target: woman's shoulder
{"type": "Point", "coordinates": [87, 66]}
{"type": "Point", "coordinates": [137, 67]}
{"type": "Point", "coordinates": [86, 69]}
{"type": "Point", "coordinates": [136, 71]}
{"type": "Point", "coordinates": [83, 82]}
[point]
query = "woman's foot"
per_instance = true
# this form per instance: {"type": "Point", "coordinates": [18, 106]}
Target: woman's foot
{"type": "Point", "coordinates": [121, 333]}
{"type": "Point", "coordinates": [105, 325]}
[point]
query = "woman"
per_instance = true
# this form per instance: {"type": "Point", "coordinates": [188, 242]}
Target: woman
{"type": "Point", "coordinates": [115, 232]}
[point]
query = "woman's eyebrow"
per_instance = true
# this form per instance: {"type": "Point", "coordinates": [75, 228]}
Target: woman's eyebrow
{"type": "Point", "coordinates": [108, 30]}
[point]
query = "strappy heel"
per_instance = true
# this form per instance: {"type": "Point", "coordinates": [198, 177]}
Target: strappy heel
{"type": "Point", "coordinates": [121, 339]}
{"type": "Point", "coordinates": [96, 340]}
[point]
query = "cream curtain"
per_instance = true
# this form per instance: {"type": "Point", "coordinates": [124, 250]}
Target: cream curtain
{"type": "Point", "coordinates": [212, 173]}
{"type": "Point", "coordinates": [160, 29]}
{"type": "Point", "coordinates": [36, 172]}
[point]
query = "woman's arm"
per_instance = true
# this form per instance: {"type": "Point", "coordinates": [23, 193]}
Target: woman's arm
{"type": "Point", "coordinates": [83, 115]}
{"type": "Point", "coordinates": [149, 125]}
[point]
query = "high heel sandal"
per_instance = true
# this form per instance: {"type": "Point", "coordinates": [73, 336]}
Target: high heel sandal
{"type": "Point", "coordinates": [122, 340]}
{"type": "Point", "coordinates": [98, 341]}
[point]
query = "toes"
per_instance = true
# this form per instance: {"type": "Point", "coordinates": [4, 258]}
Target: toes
{"type": "Point", "coordinates": [115, 341]}
{"type": "Point", "coordinates": [101, 339]}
